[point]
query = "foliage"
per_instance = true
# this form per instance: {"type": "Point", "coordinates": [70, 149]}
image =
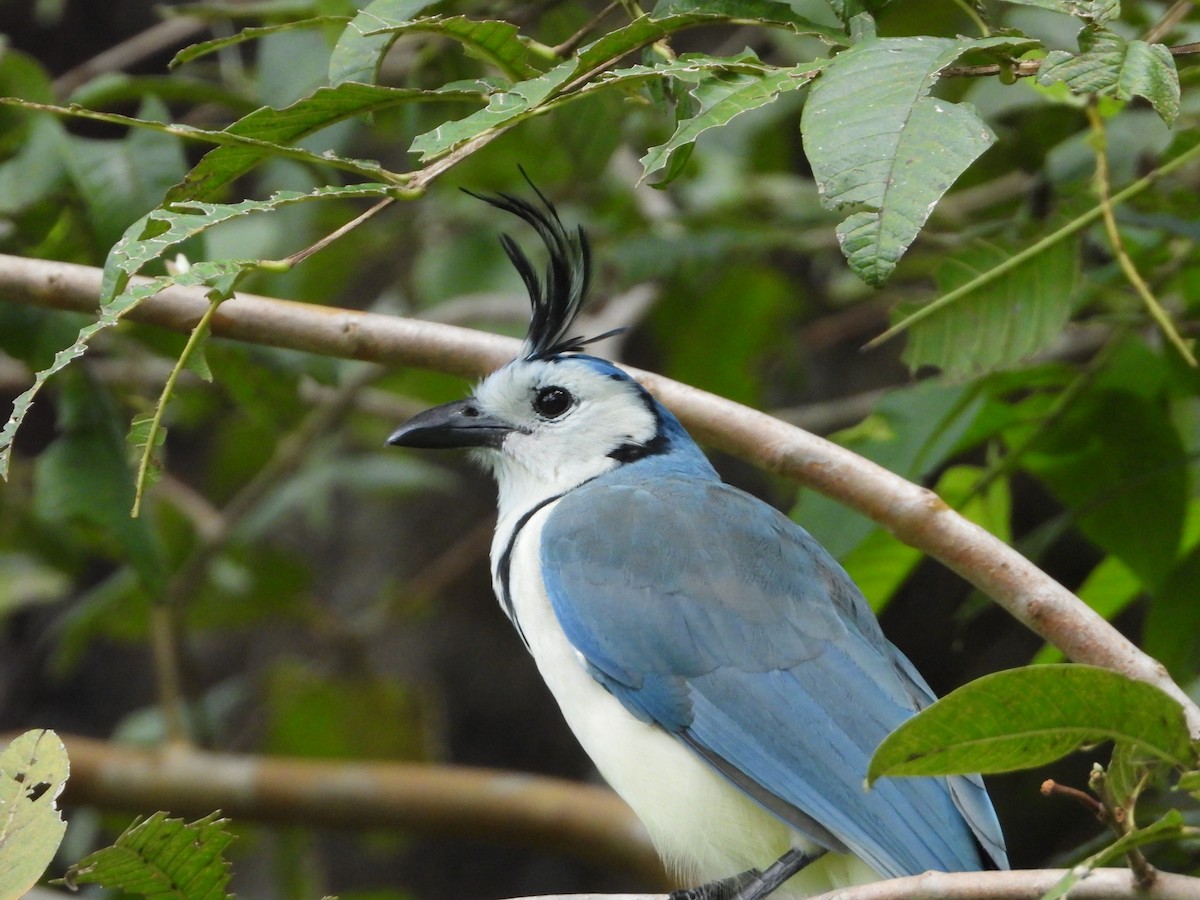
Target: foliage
{"type": "Point", "coordinates": [1011, 186]}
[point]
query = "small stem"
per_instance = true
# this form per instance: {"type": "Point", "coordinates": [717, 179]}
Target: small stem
{"type": "Point", "coordinates": [164, 645]}
{"type": "Point", "coordinates": [194, 341]}
{"type": "Point", "coordinates": [1172, 17]}
{"type": "Point", "coordinates": [568, 46]}
{"type": "Point", "coordinates": [972, 13]}
{"type": "Point", "coordinates": [1153, 307]}
{"type": "Point", "coordinates": [301, 255]}
{"type": "Point", "coordinates": [1051, 788]}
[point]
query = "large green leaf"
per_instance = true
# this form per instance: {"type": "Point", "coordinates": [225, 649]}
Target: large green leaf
{"type": "Point", "coordinates": [162, 859]}
{"type": "Point", "coordinates": [1116, 461]}
{"type": "Point", "coordinates": [1024, 718]}
{"type": "Point", "coordinates": [1001, 322]}
{"type": "Point", "coordinates": [876, 139]}
{"type": "Point", "coordinates": [1111, 66]}
{"type": "Point", "coordinates": [33, 770]}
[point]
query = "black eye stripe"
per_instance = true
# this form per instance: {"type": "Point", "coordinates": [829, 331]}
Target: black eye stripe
{"type": "Point", "coordinates": [551, 402]}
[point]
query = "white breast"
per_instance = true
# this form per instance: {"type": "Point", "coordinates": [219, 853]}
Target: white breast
{"type": "Point", "coordinates": [703, 827]}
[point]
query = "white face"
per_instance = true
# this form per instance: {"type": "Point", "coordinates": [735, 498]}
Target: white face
{"type": "Point", "coordinates": [567, 417]}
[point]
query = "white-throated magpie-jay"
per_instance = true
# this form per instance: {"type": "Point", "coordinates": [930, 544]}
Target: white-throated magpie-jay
{"type": "Point", "coordinates": [720, 668]}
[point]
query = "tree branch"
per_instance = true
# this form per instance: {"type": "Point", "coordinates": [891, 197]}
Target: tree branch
{"type": "Point", "coordinates": [914, 514]}
{"type": "Point", "coordinates": [1026, 884]}
{"type": "Point", "coordinates": [579, 820]}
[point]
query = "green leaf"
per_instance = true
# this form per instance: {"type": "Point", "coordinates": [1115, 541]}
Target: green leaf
{"type": "Point", "coordinates": [1024, 718]}
{"type": "Point", "coordinates": [1095, 10]}
{"type": "Point", "coordinates": [1116, 461]}
{"type": "Point", "coordinates": [1169, 827]}
{"type": "Point", "coordinates": [505, 107]}
{"type": "Point", "coordinates": [1172, 628]}
{"type": "Point", "coordinates": [497, 43]}
{"type": "Point", "coordinates": [1111, 66]}
{"type": "Point", "coordinates": [195, 51]}
{"type": "Point", "coordinates": [33, 770]}
{"type": "Point", "coordinates": [572, 78]}
{"type": "Point", "coordinates": [162, 859]}
{"type": "Point", "coordinates": [228, 138]}
{"type": "Point", "coordinates": [1001, 322]}
{"type": "Point", "coordinates": [722, 95]}
{"type": "Point", "coordinates": [83, 481]}
{"type": "Point", "coordinates": [876, 139]}
{"type": "Point", "coordinates": [362, 46]}
{"type": "Point", "coordinates": [742, 12]}
{"type": "Point", "coordinates": [149, 238]}
{"type": "Point", "coordinates": [268, 128]}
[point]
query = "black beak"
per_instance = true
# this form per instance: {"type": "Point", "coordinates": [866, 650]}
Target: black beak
{"type": "Point", "coordinates": [458, 424]}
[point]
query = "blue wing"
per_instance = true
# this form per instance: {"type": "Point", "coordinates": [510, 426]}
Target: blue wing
{"type": "Point", "coordinates": [709, 613]}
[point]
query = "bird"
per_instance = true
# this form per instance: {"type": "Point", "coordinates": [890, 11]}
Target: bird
{"type": "Point", "coordinates": [719, 667]}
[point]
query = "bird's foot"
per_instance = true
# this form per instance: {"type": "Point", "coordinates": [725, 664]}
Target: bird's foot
{"type": "Point", "coordinates": [720, 889]}
{"type": "Point", "coordinates": [751, 884]}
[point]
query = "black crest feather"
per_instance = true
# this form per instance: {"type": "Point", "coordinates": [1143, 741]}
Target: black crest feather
{"type": "Point", "coordinates": [557, 298]}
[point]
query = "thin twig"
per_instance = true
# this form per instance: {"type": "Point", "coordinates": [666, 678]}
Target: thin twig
{"type": "Point", "coordinates": [1172, 17]}
{"type": "Point", "coordinates": [568, 46]}
{"type": "Point", "coordinates": [1153, 307]}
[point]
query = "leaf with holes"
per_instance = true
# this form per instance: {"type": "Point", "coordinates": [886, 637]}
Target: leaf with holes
{"type": "Point", "coordinates": [723, 94]}
{"type": "Point", "coordinates": [876, 139]}
{"type": "Point", "coordinates": [195, 51]}
{"type": "Point", "coordinates": [149, 238]}
{"type": "Point", "coordinates": [362, 46]}
{"type": "Point", "coordinates": [33, 770]}
{"type": "Point", "coordinates": [162, 858]}
{"type": "Point", "coordinates": [1110, 66]}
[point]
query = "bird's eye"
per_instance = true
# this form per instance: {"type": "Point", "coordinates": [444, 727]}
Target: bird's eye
{"type": "Point", "coordinates": [552, 402]}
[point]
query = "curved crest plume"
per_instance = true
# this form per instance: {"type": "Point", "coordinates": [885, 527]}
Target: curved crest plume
{"type": "Point", "coordinates": [557, 298]}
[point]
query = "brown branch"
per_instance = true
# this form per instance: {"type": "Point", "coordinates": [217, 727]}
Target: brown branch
{"type": "Point", "coordinates": [1027, 68]}
{"type": "Point", "coordinates": [583, 821]}
{"type": "Point", "coordinates": [1027, 884]}
{"type": "Point", "coordinates": [913, 513]}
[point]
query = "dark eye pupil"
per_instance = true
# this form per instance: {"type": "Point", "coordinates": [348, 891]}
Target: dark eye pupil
{"type": "Point", "coordinates": [552, 401]}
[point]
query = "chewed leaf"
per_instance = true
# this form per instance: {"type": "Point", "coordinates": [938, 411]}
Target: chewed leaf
{"type": "Point", "coordinates": [1110, 66]}
{"type": "Point", "coordinates": [161, 857]}
{"type": "Point", "coordinates": [361, 46]}
{"type": "Point", "coordinates": [149, 238]}
{"type": "Point", "coordinates": [724, 94]}
{"type": "Point", "coordinates": [195, 51]}
{"type": "Point", "coordinates": [33, 770]}
{"type": "Point", "coordinates": [875, 142]}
